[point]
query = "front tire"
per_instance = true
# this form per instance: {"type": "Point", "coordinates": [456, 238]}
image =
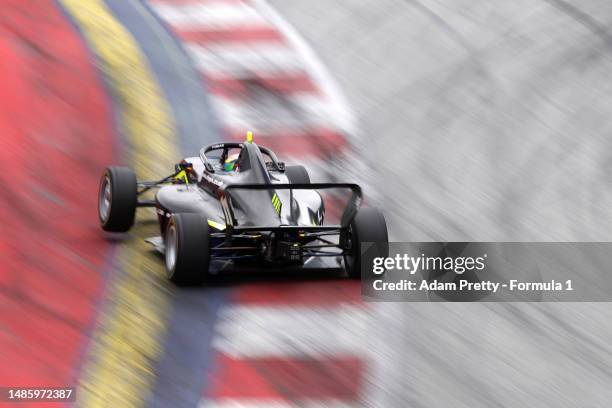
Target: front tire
{"type": "Point", "coordinates": [117, 199]}
{"type": "Point", "coordinates": [187, 249]}
{"type": "Point", "coordinates": [297, 175]}
{"type": "Point", "coordinates": [369, 225]}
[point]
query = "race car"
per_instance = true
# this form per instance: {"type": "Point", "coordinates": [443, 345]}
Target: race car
{"type": "Point", "coordinates": [237, 203]}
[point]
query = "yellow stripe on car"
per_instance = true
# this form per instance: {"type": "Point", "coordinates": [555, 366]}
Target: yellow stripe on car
{"type": "Point", "coordinates": [276, 202]}
{"type": "Point", "coordinates": [216, 225]}
{"type": "Point", "coordinates": [118, 371]}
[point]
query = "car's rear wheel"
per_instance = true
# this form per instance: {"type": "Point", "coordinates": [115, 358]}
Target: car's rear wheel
{"type": "Point", "coordinates": [187, 249]}
{"type": "Point", "coordinates": [297, 174]}
{"type": "Point", "coordinates": [117, 199]}
{"type": "Point", "coordinates": [369, 225]}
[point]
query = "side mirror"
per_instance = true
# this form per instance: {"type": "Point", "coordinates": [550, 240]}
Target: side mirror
{"type": "Point", "coordinates": [281, 166]}
{"type": "Point", "coordinates": [183, 166]}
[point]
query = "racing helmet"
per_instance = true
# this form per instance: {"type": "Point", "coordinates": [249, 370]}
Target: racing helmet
{"type": "Point", "coordinates": [230, 163]}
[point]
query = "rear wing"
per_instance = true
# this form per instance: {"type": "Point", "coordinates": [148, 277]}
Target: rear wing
{"type": "Point", "coordinates": [347, 215]}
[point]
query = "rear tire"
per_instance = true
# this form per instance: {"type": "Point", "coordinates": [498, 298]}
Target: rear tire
{"type": "Point", "coordinates": [297, 174]}
{"type": "Point", "coordinates": [187, 249]}
{"type": "Point", "coordinates": [369, 225]}
{"type": "Point", "coordinates": [117, 199]}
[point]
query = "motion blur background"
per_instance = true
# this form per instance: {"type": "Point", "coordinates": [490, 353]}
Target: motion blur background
{"type": "Point", "coordinates": [464, 120]}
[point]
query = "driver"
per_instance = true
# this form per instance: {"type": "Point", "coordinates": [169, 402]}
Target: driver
{"type": "Point", "coordinates": [231, 163]}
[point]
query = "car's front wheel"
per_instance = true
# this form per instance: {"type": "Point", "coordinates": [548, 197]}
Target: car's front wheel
{"type": "Point", "coordinates": [369, 225]}
{"type": "Point", "coordinates": [297, 174]}
{"type": "Point", "coordinates": [187, 251]}
{"type": "Point", "coordinates": [117, 199]}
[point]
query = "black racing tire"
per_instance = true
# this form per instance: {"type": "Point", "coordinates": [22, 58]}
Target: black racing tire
{"type": "Point", "coordinates": [369, 225]}
{"type": "Point", "coordinates": [297, 174]}
{"type": "Point", "coordinates": [187, 253]}
{"type": "Point", "coordinates": [117, 199]}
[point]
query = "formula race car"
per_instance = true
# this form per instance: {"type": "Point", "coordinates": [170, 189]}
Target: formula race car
{"type": "Point", "coordinates": [237, 202]}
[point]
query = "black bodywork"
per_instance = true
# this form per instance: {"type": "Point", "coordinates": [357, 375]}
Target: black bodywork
{"type": "Point", "coordinates": [256, 212]}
